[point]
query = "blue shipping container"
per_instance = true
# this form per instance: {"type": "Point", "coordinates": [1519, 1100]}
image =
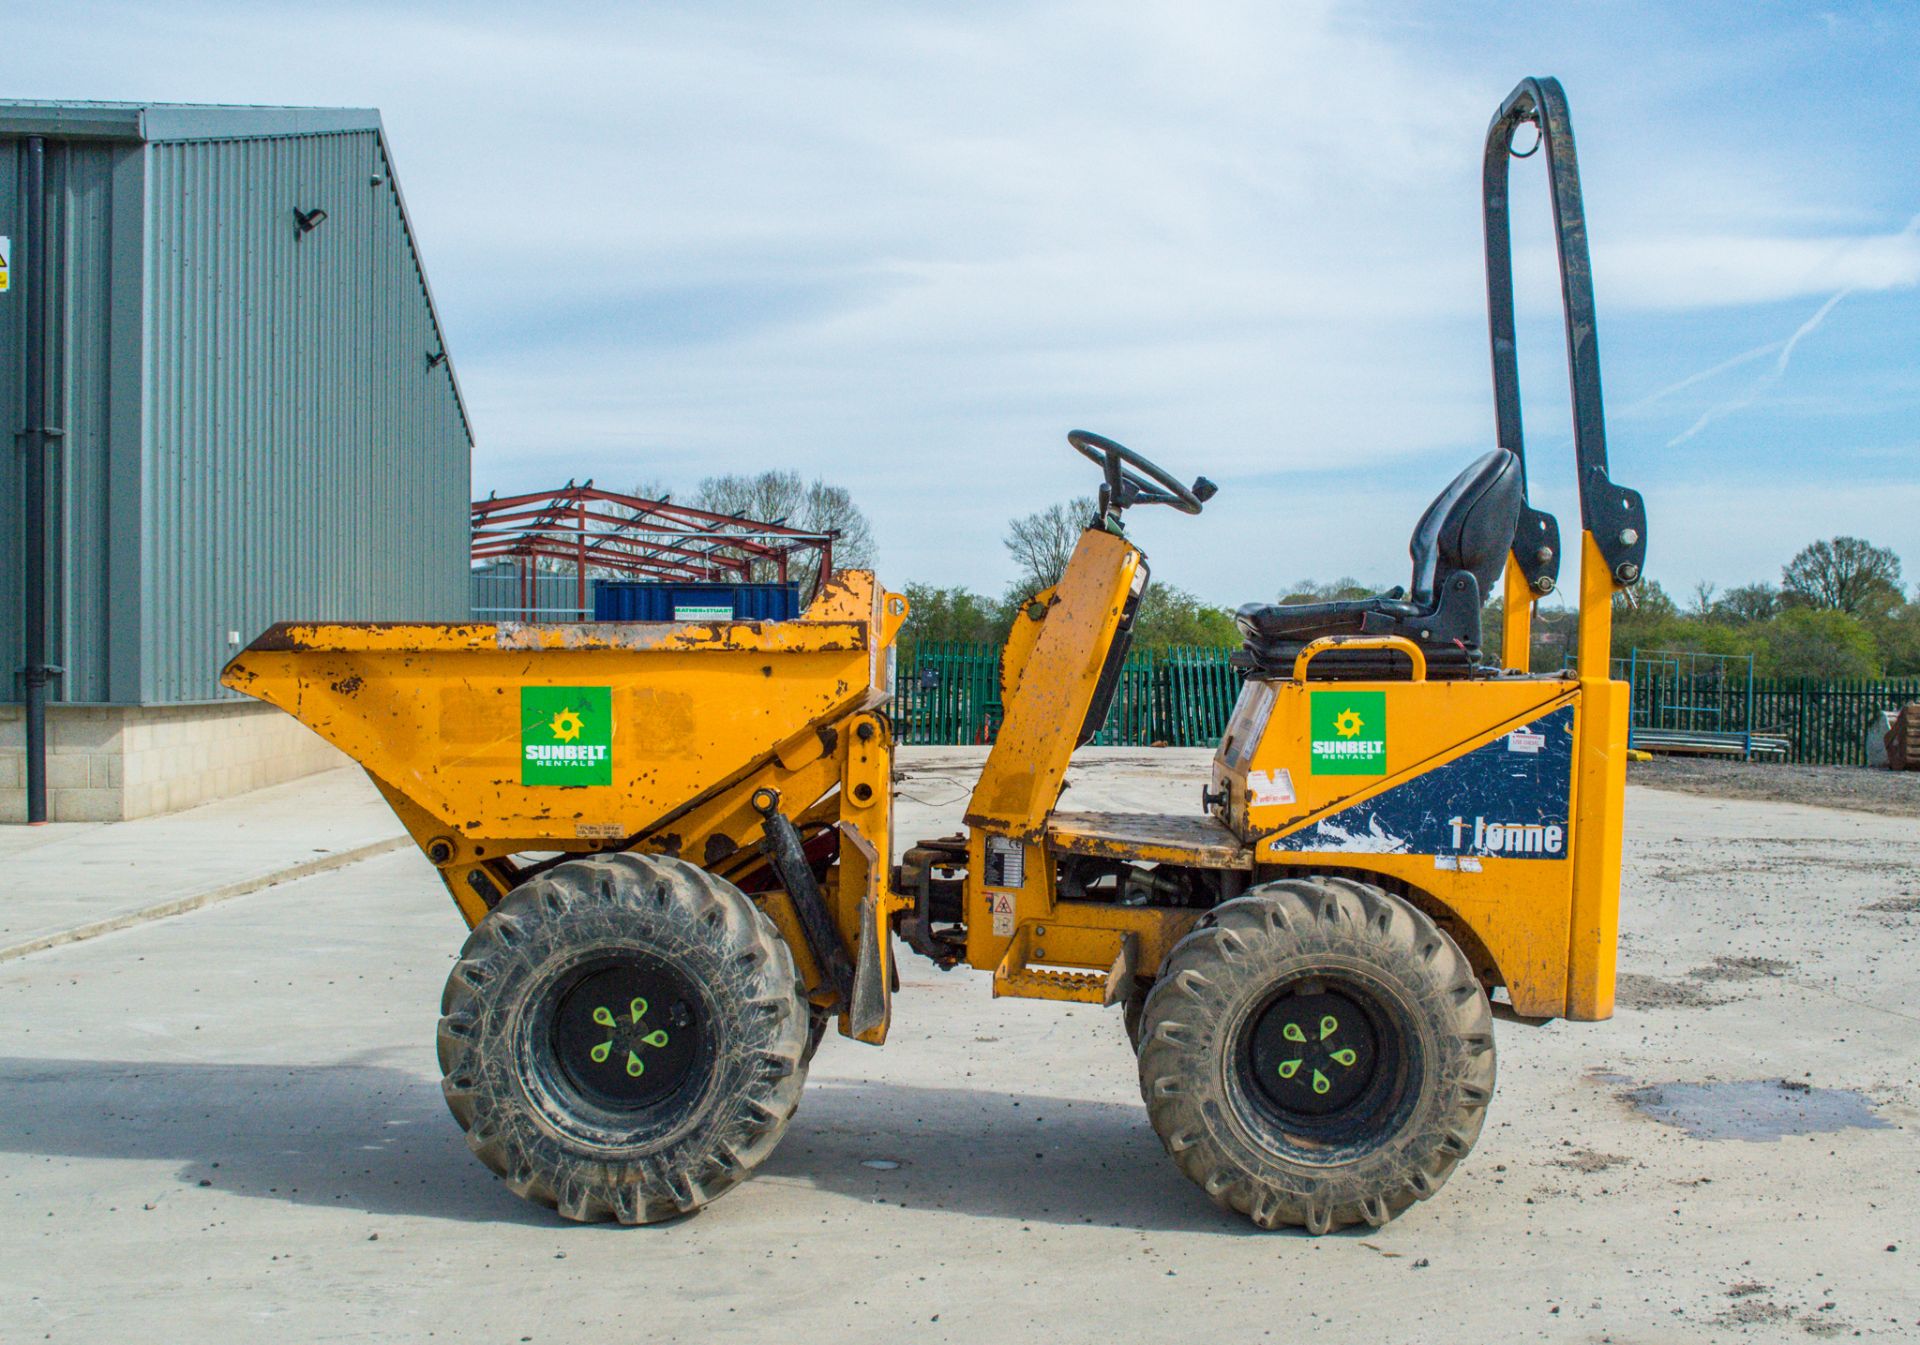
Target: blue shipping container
{"type": "Point", "coordinates": [625, 600]}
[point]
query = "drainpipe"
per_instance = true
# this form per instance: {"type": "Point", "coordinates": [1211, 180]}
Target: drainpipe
{"type": "Point", "coordinates": [37, 436]}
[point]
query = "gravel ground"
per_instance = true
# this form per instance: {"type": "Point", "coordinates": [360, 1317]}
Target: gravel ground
{"type": "Point", "coordinates": [1895, 793]}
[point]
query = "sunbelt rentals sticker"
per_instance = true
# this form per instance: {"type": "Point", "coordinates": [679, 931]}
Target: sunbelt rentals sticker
{"type": "Point", "coordinates": [1349, 732]}
{"type": "Point", "coordinates": [566, 735]}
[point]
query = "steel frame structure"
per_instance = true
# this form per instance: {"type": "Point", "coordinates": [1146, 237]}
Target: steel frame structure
{"type": "Point", "coordinates": [608, 532]}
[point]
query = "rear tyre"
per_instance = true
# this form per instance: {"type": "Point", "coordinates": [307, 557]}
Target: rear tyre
{"type": "Point", "coordinates": [621, 1038]}
{"type": "Point", "coordinates": [1318, 1054]}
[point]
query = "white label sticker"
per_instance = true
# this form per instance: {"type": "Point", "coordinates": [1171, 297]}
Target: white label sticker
{"type": "Point", "coordinates": [1459, 863]}
{"type": "Point", "coordinates": [1264, 790]}
{"type": "Point", "coordinates": [1525, 740]}
{"type": "Point", "coordinates": [1006, 862]}
{"type": "Point", "coordinates": [1469, 864]}
{"type": "Point", "coordinates": [1001, 903]}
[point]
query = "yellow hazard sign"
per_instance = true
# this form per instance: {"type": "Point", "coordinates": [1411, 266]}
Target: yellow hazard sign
{"type": "Point", "coordinates": [6, 263]}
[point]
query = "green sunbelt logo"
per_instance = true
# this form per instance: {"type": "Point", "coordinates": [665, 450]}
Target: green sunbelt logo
{"type": "Point", "coordinates": [1349, 732]}
{"type": "Point", "coordinates": [566, 735]}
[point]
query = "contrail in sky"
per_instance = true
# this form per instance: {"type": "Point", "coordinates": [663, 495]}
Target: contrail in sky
{"type": "Point", "coordinates": [1779, 369]}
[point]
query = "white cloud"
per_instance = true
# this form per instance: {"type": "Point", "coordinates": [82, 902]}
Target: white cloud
{"type": "Point", "coordinates": [910, 247]}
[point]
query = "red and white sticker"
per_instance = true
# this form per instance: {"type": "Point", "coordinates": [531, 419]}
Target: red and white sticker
{"type": "Point", "coordinates": [1525, 740]}
{"type": "Point", "coordinates": [1001, 904]}
{"type": "Point", "coordinates": [1264, 790]}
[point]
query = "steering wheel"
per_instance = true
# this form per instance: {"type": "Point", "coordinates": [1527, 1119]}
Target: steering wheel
{"type": "Point", "coordinates": [1130, 479]}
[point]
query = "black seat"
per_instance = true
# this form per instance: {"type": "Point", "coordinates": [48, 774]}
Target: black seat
{"type": "Point", "coordinates": [1459, 549]}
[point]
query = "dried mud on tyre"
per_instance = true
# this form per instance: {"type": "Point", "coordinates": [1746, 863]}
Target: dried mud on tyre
{"type": "Point", "coordinates": [622, 1038]}
{"type": "Point", "coordinates": [1317, 1053]}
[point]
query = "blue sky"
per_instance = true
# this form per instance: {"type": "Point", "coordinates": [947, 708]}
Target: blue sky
{"type": "Point", "coordinates": [906, 247]}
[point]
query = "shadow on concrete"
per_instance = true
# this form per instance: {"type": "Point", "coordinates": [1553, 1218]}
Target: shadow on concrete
{"type": "Point", "coordinates": [378, 1139]}
{"type": "Point", "coordinates": [355, 1136]}
{"type": "Point", "coordinates": [993, 1155]}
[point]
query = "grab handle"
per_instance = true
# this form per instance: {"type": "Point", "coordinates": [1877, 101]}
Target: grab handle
{"type": "Point", "coordinates": [1398, 643]}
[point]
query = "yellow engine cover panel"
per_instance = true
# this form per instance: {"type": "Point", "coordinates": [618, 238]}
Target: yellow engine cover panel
{"type": "Point", "coordinates": [1465, 791]}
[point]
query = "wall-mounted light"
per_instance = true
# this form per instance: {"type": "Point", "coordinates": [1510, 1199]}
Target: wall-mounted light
{"type": "Point", "coordinates": [436, 359]}
{"type": "Point", "coordinates": [308, 220]}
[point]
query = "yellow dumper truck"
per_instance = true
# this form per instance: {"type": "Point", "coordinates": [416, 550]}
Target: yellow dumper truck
{"type": "Point", "coordinates": [673, 843]}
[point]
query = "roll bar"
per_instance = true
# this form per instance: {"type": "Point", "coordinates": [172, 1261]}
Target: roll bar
{"type": "Point", "coordinates": [1613, 515]}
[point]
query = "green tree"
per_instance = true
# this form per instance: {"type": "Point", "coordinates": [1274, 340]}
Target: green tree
{"type": "Point", "coordinates": [1343, 589]}
{"type": "Point", "coordinates": [1172, 616]}
{"type": "Point", "coordinates": [1747, 603]}
{"type": "Point", "coordinates": [1897, 637]}
{"type": "Point", "coordinates": [1817, 642]}
{"type": "Point", "coordinates": [1847, 574]}
{"type": "Point", "coordinates": [954, 614]}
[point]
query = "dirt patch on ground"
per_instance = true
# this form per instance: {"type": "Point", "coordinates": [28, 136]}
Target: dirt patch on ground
{"type": "Point", "coordinates": [1855, 788]}
{"type": "Point", "coordinates": [1751, 1312]}
{"type": "Point", "coordinates": [1895, 906]}
{"type": "Point", "coordinates": [1590, 1160]}
{"type": "Point", "coordinates": [1740, 969]}
{"type": "Point", "coordinates": [1633, 991]}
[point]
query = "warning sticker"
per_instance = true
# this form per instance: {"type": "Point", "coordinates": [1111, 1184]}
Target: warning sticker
{"type": "Point", "coordinates": [1001, 904]}
{"type": "Point", "coordinates": [1526, 740]}
{"type": "Point", "coordinates": [6, 263]}
{"type": "Point", "coordinates": [1264, 790]}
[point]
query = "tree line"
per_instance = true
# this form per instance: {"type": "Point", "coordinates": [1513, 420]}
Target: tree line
{"type": "Point", "coordinates": [1840, 608]}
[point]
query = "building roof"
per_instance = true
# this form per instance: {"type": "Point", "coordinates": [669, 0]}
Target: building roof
{"type": "Point", "coordinates": [71, 119]}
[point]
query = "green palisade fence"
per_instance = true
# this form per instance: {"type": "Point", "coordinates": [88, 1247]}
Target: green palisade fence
{"type": "Point", "coordinates": [1824, 721]}
{"type": "Point", "coordinates": [948, 692]}
{"type": "Point", "coordinates": [1827, 722]}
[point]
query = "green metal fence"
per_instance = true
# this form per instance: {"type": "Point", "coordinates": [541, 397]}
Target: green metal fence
{"type": "Point", "coordinates": [949, 692]}
{"type": "Point", "coordinates": [1824, 722]}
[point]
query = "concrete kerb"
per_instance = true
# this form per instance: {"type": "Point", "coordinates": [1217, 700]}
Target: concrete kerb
{"type": "Point", "coordinates": [194, 901]}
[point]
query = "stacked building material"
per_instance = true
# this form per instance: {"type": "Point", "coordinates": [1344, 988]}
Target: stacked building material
{"type": "Point", "coordinates": [1903, 739]}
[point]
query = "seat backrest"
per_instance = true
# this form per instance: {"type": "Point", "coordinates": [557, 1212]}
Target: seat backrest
{"type": "Point", "coordinates": [1469, 526]}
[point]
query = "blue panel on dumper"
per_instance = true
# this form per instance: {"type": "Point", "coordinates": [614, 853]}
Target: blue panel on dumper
{"type": "Point", "coordinates": [622, 600]}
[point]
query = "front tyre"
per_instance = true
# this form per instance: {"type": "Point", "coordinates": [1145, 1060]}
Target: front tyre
{"type": "Point", "coordinates": [1318, 1053]}
{"type": "Point", "coordinates": [622, 1037]}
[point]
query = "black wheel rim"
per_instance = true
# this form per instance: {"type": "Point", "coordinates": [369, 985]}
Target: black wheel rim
{"type": "Point", "coordinates": [625, 1034]}
{"type": "Point", "coordinates": [1323, 1060]}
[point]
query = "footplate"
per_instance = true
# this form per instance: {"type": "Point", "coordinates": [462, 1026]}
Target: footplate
{"type": "Point", "coordinates": [1015, 977]}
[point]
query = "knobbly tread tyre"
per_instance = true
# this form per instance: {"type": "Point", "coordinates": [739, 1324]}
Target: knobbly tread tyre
{"type": "Point", "coordinates": [555, 1150]}
{"type": "Point", "coordinates": [1218, 977]}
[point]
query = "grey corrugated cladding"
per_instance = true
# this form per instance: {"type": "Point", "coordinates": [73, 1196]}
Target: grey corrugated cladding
{"type": "Point", "coordinates": [497, 594]}
{"type": "Point", "coordinates": [252, 428]}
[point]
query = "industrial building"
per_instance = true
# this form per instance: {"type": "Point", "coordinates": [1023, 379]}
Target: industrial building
{"type": "Point", "coordinates": [231, 403]}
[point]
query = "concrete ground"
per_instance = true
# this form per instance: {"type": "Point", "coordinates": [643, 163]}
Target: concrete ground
{"type": "Point", "coordinates": [227, 1125]}
{"type": "Point", "coordinates": [68, 880]}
